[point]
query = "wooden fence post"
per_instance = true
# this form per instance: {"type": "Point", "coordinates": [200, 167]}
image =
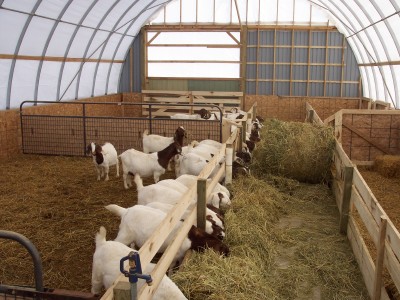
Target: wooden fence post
{"type": "Point", "coordinates": [379, 259]}
{"type": "Point", "coordinates": [241, 141]}
{"type": "Point", "coordinates": [311, 116]}
{"type": "Point", "coordinates": [348, 183]}
{"type": "Point", "coordinates": [228, 163]}
{"type": "Point", "coordinates": [122, 291]}
{"type": "Point", "coordinates": [201, 203]}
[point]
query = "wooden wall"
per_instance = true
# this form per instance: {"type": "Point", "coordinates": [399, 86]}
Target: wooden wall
{"type": "Point", "coordinates": [380, 131]}
{"type": "Point", "coordinates": [367, 133]}
{"type": "Point", "coordinates": [294, 108]}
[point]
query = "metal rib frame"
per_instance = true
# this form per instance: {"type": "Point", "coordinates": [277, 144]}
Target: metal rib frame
{"type": "Point", "coordinates": [88, 47]}
{"type": "Point", "coordinates": [39, 70]}
{"type": "Point", "coordinates": [17, 47]}
{"type": "Point", "coordinates": [350, 29]}
{"type": "Point", "coordinates": [69, 47]}
{"type": "Point", "coordinates": [127, 51]}
{"type": "Point", "coordinates": [373, 46]}
{"type": "Point", "coordinates": [106, 41]}
{"type": "Point", "coordinates": [386, 52]}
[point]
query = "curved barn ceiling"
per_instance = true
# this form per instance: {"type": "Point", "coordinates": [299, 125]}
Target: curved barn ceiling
{"type": "Point", "coordinates": [58, 50]}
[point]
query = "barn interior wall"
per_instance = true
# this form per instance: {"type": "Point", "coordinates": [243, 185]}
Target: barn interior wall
{"type": "Point", "coordinates": [10, 127]}
{"type": "Point", "coordinates": [379, 135]}
{"type": "Point", "coordinates": [382, 130]}
{"type": "Point", "coordinates": [294, 108]}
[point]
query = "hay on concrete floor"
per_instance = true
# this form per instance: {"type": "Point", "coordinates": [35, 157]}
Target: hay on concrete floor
{"type": "Point", "coordinates": [301, 151]}
{"type": "Point", "coordinates": [285, 244]}
{"type": "Point", "coordinates": [387, 165]}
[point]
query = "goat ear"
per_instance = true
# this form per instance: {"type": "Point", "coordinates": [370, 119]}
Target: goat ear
{"type": "Point", "coordinates": [195, 231]}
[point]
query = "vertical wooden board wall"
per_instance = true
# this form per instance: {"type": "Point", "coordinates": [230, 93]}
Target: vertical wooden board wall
{"type": "Point", "coordinates": [381, 129]}
{"type": "Point", "coordinates": [9, 133]}
{"type": "Point", "coordinates": [293, 108]}
{"type": "Point", "coordinates": [132, 110]}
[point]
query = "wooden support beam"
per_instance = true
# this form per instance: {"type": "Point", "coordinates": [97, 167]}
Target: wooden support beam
{"type": "Point", "coordinates": [58, 59]}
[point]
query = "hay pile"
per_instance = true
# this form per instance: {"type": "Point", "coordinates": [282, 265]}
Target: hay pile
{"type": "Point", "coordinates": [295, 150]}
{"type": "Point", "coordinates": [284, 243]}
{"type": "Point", "coordinates": [387, 165]}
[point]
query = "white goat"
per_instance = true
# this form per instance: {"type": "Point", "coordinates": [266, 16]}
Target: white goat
{"type": "Point", "coordinates": [103, 158]}
{"type": "Point", "coordinates": [153, 164]}
{"type": "Point", "coordinates": [214, 225]}
{"type": "Point", "coordinates": [193, 163]}
{"type": "Point", "coordinates": [188, 180]}
{"type": "Point", "coordinates": [155, 143]}
{"type": "Point", "coordinates": [139, 222]}
{"type": "Point", "coordinates": [203, 114]}
{"type": "Point", "coordinates": [170, 195]}
{"type": "Point", "coordinates": [105, 270]}
{"type": "Point", "coordinates": [155, 192]}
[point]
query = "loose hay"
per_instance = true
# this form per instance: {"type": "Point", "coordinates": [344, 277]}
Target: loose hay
{"type": "Point", "coordinates": [58, 204]}
{"type": "Point", "coordinates": [387, 165]}
{"type": "Point", "coordinates": [285, 244]}
{"type": "Point", "coordinates": [296, 150]}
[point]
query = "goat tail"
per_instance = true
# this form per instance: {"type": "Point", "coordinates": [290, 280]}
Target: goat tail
{"type": "Point", "coordinates": [115, 209]}
{"type": "Point", "coordinates": [146, 132]}
{"type": "Point", "coordinates": [139, 182]}
{"type": "Point", "coordinates": [101, 236]}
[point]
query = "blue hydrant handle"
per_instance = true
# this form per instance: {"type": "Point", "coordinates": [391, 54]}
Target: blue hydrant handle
{"type": "Point", "coordinates": [135, 268]}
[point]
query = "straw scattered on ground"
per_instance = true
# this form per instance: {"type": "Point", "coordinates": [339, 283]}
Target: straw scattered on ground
{"type": "Point", "coordinates": [285, 244]}
{"type": "Point", "coordinates": [57, 203]}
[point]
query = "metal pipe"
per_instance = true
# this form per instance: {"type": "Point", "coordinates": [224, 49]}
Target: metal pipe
{"type": "Point", "coordinates": [37, 261]}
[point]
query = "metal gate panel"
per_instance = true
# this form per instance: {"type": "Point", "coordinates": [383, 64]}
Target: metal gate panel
{"type": "Point", "coordinates": [70, 134]}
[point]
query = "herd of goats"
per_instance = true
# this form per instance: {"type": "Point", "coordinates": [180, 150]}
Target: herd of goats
{"type": "Point", "coordinates": [155, 200]}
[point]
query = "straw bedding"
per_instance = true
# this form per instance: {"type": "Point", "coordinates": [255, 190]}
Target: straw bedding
{"type": "Point", "coordinates": [284, 244]}
{"type": "Point", "coordinates": [58, 204]}
{"type": "Point", "coordinates": [283, 233]}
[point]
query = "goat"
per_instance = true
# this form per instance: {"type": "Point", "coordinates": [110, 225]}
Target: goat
{"type": "Point", "coordinates": [155, 143]}
{"type": "Point", "coordinates": [105, 269]}
{"type": "Point", "coordinates": [145, 164]}
{"type": "Point", "coordinates": [203, 114]}
{"type": "Point", "coordinates": [214, 225]}
{"type": "Point", "coordinates": [188, 180]}
{"type": "Point", "coordinates": [193, 163]}
{"type": "Point", "coordinates": [103, 158]}
{"type": "Point", "coordinates": [171, 195]}
{"type": "Point", "coordinates": [139, 222]}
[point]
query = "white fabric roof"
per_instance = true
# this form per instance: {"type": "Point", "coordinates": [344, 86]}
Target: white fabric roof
{"type": "Point", "coordinates": [70, 49]}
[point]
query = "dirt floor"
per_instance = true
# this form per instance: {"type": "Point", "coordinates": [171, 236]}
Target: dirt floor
{"type": "Point", "coordinates": [58, 204]}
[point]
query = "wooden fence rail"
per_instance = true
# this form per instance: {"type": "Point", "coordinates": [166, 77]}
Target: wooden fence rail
{"type": "Point", "coordinates": [363, 219]}
{"type": "Point", "coordinates": [202, 189]}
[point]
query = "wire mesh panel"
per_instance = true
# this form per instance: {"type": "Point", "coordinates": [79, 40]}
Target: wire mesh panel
{"type": "Point", "coordinates": [70, 134]}
{"type": "Point", "coordinates": [53, 135]}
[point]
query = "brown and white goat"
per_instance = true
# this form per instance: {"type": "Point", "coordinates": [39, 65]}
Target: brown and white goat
{"type": "Point", "coordinates": [147, 164]}
{"type": "Point", "coordinates": [103, 158]}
